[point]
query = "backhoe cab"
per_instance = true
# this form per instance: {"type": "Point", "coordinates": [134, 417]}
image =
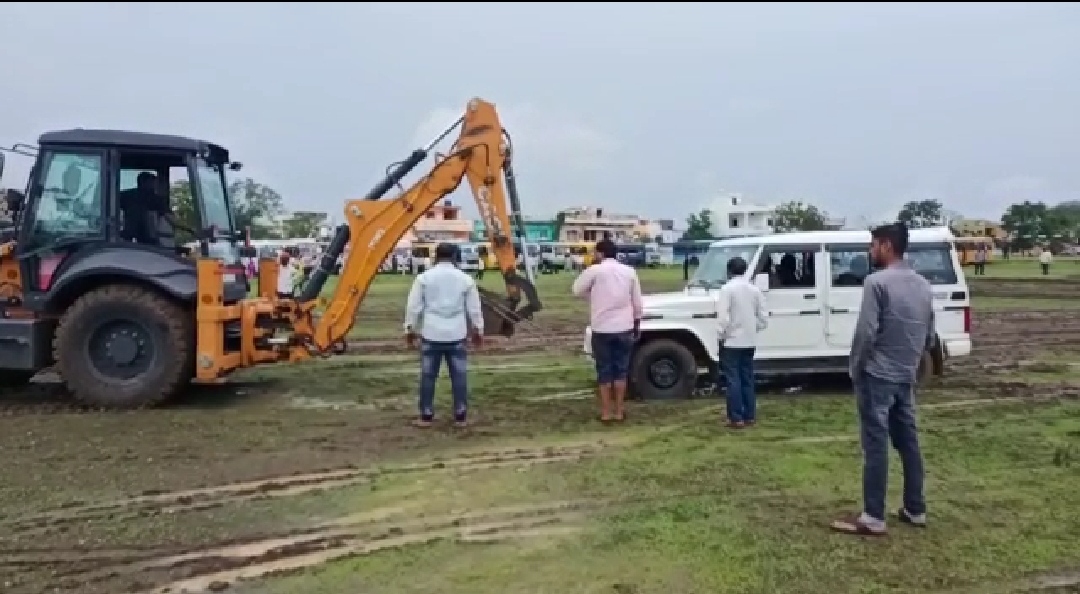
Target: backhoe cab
{"type": "Point", "coordinates": [94, 280]}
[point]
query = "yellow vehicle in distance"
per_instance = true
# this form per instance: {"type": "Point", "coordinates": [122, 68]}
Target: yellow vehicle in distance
{"type": "Point", "coordinates": [967, 246]}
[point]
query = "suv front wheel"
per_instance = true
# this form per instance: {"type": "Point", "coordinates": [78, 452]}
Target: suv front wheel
{"type": "Point", "coordinates": [663, 369]}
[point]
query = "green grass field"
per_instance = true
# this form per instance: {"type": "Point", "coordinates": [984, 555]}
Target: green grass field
{"type": "Point", "coordinates": [536, 496]}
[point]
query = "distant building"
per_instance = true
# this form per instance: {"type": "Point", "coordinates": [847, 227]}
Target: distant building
{"type": "Point", "coordinates": [977, 228]}
{"type": "Point", "coordinates": [735, 217]}
{"type": "Point", "coordinates": [535, 230]}
{"type": "Point", "coordinates": [835, 223]}
{"type": "Point", "coordinates": [658, 231]}
{"type": "Point", "coordinates": [591, 224]}
{"type": "Point", "coordinates": [443, 222]}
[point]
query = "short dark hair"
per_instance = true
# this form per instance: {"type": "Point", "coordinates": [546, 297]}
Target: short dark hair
{"type": "Point", "coordinates": [895, 234]}
{"type": "Point", "coordinates": [446, 252]}
{"type": "Point", "coordinates": [606, 248]}
{"type": "Point", "coordinates": [736, 266]}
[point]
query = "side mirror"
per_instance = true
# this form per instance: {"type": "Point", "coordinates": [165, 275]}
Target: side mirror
{"type": "Point", "coordinates": [761, 281]}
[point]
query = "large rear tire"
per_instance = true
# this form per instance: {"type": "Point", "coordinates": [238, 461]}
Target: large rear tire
{"type": "Point", "coordinates": [124, 347]}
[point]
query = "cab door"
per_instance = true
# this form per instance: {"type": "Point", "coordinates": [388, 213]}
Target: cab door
{"type": "Point", "coordinates": [794, 299]}
{"type": "Point", "coordinates": [65, 209]}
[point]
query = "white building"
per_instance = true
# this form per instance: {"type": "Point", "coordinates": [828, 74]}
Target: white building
{"type": "Point", "coordinates": [735, 217]}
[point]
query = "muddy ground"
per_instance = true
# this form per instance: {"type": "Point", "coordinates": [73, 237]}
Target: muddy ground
{"type": "Point", "coordinates": [182, 499]}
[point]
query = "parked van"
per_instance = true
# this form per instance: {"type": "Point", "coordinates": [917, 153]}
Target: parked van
{"type": "Point", "coordinates": [553, 257]}
{"type": "Point", "coordinates": [813, 289]}
{"type": "Point", "coordinates": [469, 256]}
{"type": "Point", "coordinates": [423, 254]}
{"type": "Point", "coordinates": [581, 252]}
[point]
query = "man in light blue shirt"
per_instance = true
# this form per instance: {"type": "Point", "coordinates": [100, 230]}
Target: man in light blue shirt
{"type": "Point", "coordinates": [443, 310]}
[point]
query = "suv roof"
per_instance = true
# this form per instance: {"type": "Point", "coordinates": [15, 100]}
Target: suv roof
{"type": "Point", "coordinates": [85, 136]}
{"type": "Point", "coordinates": [916, 235]}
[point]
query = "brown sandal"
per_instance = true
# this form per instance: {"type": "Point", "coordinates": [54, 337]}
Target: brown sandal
{"type": "Point", "coordinates": [854, 526]}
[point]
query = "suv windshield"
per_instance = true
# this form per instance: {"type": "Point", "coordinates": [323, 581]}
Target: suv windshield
{"type": "Point", "coordinates": [712, 272]}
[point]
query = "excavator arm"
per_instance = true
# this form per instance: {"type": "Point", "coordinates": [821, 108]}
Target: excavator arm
{"type": "Point", "coordinates": [373, 227]}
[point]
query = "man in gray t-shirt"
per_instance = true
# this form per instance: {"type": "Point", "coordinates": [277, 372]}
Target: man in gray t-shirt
{"type": "Point", "coordinates": [895, 328]}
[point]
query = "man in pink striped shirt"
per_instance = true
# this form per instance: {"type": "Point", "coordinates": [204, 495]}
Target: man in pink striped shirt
{"type": "Point", "coordinates": [614, 295]}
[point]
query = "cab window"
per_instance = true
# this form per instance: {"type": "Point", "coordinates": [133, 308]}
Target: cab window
{"type": "Point", "coordinates": [789, 267]}
{"type": "Point", "coordinates": [850, 265]}
{"type": "Point", "coordinates": [69, 205]}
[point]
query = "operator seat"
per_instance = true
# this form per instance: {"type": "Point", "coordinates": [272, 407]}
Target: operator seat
{"type": "Point", "coordinates": [166, 233]}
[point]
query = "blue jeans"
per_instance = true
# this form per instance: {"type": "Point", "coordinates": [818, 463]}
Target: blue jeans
{"type": "Point", "coordinates": [737, 366]}
{"type": "Point", "coordinates": [431, 357]}
{"type": "Point", "coordinates": [611, 352]}
{"type": "Point", "coordinates": [887, 413]}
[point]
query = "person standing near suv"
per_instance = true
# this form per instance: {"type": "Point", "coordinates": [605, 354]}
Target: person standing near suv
{"type": "Point", "coordinates": [895, 328]}
{"type": "Point", "coordinates": [741, 315]}
{"type": "Point", "coordinates": [615, 309]}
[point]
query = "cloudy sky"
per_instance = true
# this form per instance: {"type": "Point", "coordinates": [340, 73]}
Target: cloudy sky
{"type": "Point", "coordinates": [653, 108]}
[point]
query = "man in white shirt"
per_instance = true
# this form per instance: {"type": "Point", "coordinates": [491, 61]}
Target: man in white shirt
{"type": "Point", "coordinates": [1045, 258]}
{"type": "Point", "coordinates": [446, 303]}
{"type": "Point", "coordinates": [286, 279]}
{"type": "Point", "coordinates": [741, 315]}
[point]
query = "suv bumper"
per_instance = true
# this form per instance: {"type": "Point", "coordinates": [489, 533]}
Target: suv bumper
{"type": "Point", "coordinates": [956, 347]}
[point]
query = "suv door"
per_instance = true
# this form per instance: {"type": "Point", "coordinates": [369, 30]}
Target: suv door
{"type": "Point", "coordinates": [794, 299]}
{"type": "Point", "coordinates": [849, 265]}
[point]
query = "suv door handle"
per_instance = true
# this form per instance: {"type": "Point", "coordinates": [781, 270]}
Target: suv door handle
{"type": "Point", "coordinates": [809, 296]}
{"type": "Point", "coordinates": [838, 311]}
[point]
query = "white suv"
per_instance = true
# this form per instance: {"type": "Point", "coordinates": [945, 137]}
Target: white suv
{"type": "Point", "coordinates": [813, 288]}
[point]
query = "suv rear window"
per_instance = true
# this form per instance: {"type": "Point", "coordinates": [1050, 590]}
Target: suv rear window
{"type": "Point", "coordinates": [849, 263]}
{"type": "Point", "coordinates": [933, 262]}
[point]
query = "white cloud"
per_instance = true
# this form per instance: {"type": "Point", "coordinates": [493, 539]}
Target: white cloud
{"type": "Point", "coordinates": [558, 142]}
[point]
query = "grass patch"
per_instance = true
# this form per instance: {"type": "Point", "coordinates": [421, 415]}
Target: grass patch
{"type": "Point", "coordinates": [698, 509]}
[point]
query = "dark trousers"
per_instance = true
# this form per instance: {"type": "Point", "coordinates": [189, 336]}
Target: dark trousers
{"type": "Point", "coordinates": [887, 413]}
{"type": "Point", "coordinates": [980, 268]}
{"type": "Point", "coordinates": [611, 352]}
{"type": "Point", "coordinates": [1045, 268]}
{"type": "Point", "coordinates": [737, 366]}
{"type": "Point", "coordinates": [431, 357]}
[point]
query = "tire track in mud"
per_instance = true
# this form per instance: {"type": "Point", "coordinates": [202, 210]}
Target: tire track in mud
{"type": "Point", "coordinates": [216, 567]}
{"type": "Point", "coordinates": [553, 340]}
{"type": "Point", "coordinates": [154, 503]}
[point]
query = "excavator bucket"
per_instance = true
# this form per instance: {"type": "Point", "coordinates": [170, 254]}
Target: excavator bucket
{"type": "Point", "coordinates": [499, 314]}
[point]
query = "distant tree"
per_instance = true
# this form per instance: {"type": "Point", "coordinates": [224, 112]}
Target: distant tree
{"type": "Point", "coordinates": [1027, 222]}
{"type": "Point", "coordinates": [302, 224]}
{"type": "Point", "coordinates": [797, 216]}
{"type": "Point", "coordinates": [1066, 219]}
{"type": "Point", "coordinates": [255, 206]}
{"type": "Point", "coordinates": [920, 213]}
{"type": "Point", "coordinates": [699, 226]}
{"type": "Point", "coordinates": [184, 207]}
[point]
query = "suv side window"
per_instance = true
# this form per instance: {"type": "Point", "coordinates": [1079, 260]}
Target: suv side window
{"type": "Point", "coordinates": [788, 266]}
{"type": "Point", "coordinates": [69, 205]}
{"type": "Point", "coordinates": [850, 264]}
